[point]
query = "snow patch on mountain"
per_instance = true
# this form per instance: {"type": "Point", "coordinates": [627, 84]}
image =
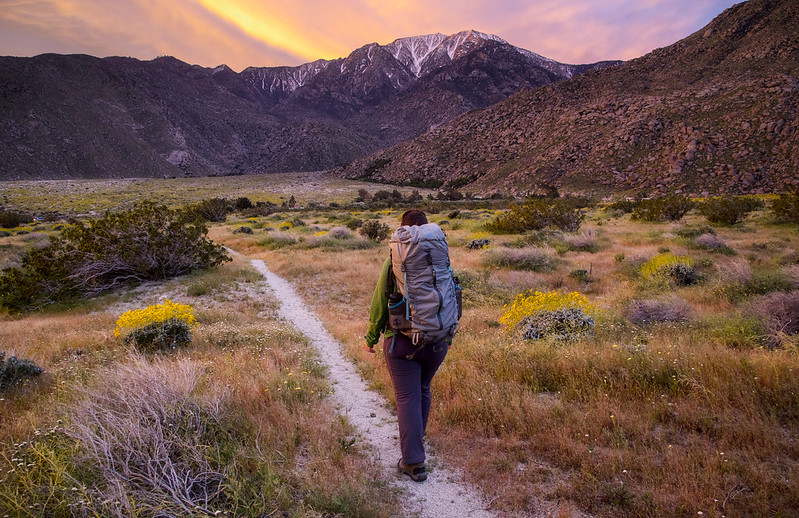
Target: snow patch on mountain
{"type": "Point", "coordinates": [284, 79]}
{"type": "Point", "coordinates": [412, 51]}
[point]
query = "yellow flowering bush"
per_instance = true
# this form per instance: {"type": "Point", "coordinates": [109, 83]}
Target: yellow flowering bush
{"type": "Point", "coordinates": [676, 268]}
{"type": "Point", "coordinates": [139, 318]}
{"type": "Point", "coordinates": [531, 304]}
{"type": "Point", "coordinates": [479, 235]}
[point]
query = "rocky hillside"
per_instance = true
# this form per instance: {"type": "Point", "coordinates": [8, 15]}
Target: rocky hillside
{"type": "Point", "coordinates": [84, 117]}
{"type": "Point", "coordinates": [713, 113]}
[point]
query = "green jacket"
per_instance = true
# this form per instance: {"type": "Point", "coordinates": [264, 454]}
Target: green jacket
{"type": "Point", "coordinates": [378, 313]}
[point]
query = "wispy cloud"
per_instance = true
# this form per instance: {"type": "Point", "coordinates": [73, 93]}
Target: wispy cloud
{"type": "Point", "coordinates": [242, 33]}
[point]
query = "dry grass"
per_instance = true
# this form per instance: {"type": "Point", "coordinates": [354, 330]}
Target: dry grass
{"type": "Point", "coordinates": [237, 424]}
{"type": "Point", "coordinates": [666, 420]}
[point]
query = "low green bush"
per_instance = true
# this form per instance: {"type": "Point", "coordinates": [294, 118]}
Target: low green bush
{"type": "Point", "coordinates": [786, 207]}
{"type": "Point", "coordinates": [690, 232]}
{"type": "Point", "coordinates": [729, 210]}
{"type": "Point", "coordinates": [12, 219]}
{"type": "Point", "coordinates": [374, 230]}
{"type": "Point", "coordinates": [146, 243]}
{"type": "Point", "coordinates": [666, 208]}
{"type": "Point", "coordinates": [537, 214]}
{"type": "Point", "coordinates": [621, 206]}
{"type": "Point", "coordinates": [213, 210]}
{"type": "Point", "coordinates": [160, 336]}
{"type": "Point", "coordinates": [15, 370]}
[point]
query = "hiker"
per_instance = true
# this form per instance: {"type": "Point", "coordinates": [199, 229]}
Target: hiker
{"type": "Point", "coordinates": [414, 354]}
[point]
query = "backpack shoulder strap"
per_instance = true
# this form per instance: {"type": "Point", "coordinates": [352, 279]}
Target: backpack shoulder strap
{"type": "Point", "coordinates": [391, 284]}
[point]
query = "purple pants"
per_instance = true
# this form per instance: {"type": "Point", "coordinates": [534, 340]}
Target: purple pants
{"type": "Point", "coordinates": [411, 374]}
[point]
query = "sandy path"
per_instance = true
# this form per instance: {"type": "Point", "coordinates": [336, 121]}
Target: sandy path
{"type": "Point", "coordinates": [443, 494]}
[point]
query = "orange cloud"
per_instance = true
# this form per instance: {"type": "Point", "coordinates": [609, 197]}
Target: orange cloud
{"type": "Point", "coordinates": [245, 33]}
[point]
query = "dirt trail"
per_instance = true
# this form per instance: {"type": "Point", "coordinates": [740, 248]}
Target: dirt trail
{"type": "Point", "coordinates": [443, 494]}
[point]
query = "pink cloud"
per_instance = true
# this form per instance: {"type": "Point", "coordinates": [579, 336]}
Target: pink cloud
{"type": "Point", "coordinates": [241, 33]}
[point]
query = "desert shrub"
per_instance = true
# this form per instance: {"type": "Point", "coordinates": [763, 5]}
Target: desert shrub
{"type": "Point", "coordinates": [374, 230]}
{"type": "Point", "coordinates": [678, 270]}
{"type": "Point", "coordinates": [791, 274]}
{"type": "Point", "coordinates": [243, 230]}
{"type": "Point", "coordinates": [4, 233]}
{"type": "Point", "coordinates": [274, 240]}
{"type": "Point", "coordinates": [779, 312]}
{"type": "Point", "coordinates": [142, 430]}
{"type": "Point", "coordinates": [712, 242]}
{"type": "Point", "coordinates": [535, 315]}
{"type": "Point", "coordinates": [657, 311]}
{"type": "Point", "coordinates": [453, 214]}
{"type": "Point", "coordinates": [168, 310]}
{"type": "Point", "coordinates": [160, 336]}
{"type": "Point", "coordinates": [353, 223]}
{"type": "Point", "coordinates": [690, 232]}
{"type": "Point", "coordinates": [242, 203]}
{"type": "Point", "coordinates": [581, 275]}
{"type": "Point", "coordinates": [214, 210]}
{"type": "Point", "coordinates": [738, 331]}
{"type": "Point", "coordinates": [786, 207]}
{"type": "Point", "coordinates": [381, 194]}
{"type": "Point", "coordinates": [621, 206]}
{"type": "Point", "coordinates": [14, 370]}
{"type": "Point", "coordinates": [560, 324]}
{"type": "Point", "coordinates": [478, 244]}
{"type": "Point", "coordinates": [12, 219]}
{"type": "Point", "coordinates": [666, 208]}
{"type": "Point", "coordinates": [340, 233]}
{"type": "Point", "coordinates": [729, 210]}
{"type": "Point", "coordinates": [585, 241]}
{"type": "Point", "coordinates": [148, 242]}
{"type": "Point", "coordinates": [759, 282]}
{"type": "Point", "coordinates": [261, 209]}
{"type": "Point", "coordinates": [537, 214]}
{"type": "Point", "coordinates": [532, 259]}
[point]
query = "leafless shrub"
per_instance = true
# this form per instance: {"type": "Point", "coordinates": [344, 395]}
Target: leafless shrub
{"type": "Point", "coordinates": [710, 242]}
{"type": "Point", "coordinates": [792, 274]}
{"type": "Point", "coordinates": [779, 311]}
{"type": "Point", "coordinates": [656, 311]}
{"type": "Point", "coordinates": [340, 233]}
{"type": "Point", "coordinates": [735, 272]}
{"type": "Point", "coordinates": [584, 241]}
{"type": "Point", "coordinates": [142, 427]}
{"type": "Point", "coordinates": [534, 259]}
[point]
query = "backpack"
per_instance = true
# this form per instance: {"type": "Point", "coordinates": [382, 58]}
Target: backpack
{"type": "Point", "coordinates": [427, 306]}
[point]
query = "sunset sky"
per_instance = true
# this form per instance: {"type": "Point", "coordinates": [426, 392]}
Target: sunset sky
{"type": "Point", "coordinates": [242, 33]}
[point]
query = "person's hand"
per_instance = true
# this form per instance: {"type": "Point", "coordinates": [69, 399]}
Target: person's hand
{"type": "Point", "coordinates": [369, 349]}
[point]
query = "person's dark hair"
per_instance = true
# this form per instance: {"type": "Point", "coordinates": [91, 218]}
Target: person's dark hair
{"type": "Point", "coordinates": [414, 217]}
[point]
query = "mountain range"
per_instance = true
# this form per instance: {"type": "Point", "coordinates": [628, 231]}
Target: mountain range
{"type": "Point", "coordinates": [713, 113]}
{"type": "Point", "coordinates": [78, 116]}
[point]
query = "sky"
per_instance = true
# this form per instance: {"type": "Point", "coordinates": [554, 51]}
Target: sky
{"type": "Point", "coordinates": [242, 33]}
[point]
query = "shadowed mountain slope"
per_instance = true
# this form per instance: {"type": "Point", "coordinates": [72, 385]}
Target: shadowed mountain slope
{"type": "Point", "coordinates": [715, 112]}
{"type": "Point", "coordinates": [83, 117]}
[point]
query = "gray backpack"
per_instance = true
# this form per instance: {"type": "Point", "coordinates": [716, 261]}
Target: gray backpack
{"type": "Point", "coordinates": [427, 307]}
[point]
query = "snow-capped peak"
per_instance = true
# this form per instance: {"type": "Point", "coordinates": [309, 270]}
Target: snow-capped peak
{"type": "Point", "coordinates": [464, 41]}
{"type": "Point", "coordinates": [412, 51]}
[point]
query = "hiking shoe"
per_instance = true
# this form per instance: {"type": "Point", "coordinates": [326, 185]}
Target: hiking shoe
{"type": "Point", "coordinates": [417, 472]}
